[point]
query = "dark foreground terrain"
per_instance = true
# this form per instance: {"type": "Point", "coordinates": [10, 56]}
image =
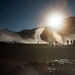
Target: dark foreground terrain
{"type": "Point", "coordinates": [36, 59]}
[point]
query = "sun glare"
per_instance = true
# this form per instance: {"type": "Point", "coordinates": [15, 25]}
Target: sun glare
{"type": "Point", "coordinates": [55, 21]}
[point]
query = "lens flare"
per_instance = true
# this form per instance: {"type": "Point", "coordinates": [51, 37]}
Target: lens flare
{"type": "Point", "coordinates": [55, 21]}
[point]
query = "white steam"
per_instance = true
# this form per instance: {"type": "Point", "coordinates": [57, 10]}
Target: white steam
{"type": "Point", "coordinates": [8, 36]}
{"type": "Point", "coordinates": [37, 35]}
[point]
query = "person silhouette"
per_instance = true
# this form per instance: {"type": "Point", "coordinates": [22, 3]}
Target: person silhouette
{"type": "Point", "coordinates": [71, 42]}
{"type": "Point", "coordinates": [67, 42]}
{"type": "Point", "coordinates": [74, 42]}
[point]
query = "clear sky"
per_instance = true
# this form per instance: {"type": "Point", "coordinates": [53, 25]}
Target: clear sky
{"type": "Point", "coordinates": [26, 14]}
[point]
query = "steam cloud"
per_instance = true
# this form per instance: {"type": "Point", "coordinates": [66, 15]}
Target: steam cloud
{"type": "Point", "coordinates": [41, 35]}
{"type": "Point", "coordinates": [33, 36]}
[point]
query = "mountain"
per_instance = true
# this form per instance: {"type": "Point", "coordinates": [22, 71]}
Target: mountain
{"type": "Point", "coordinates": [25, 33]}
{"type": "Point", "coordinates": [41, 34]}
{"type": "Point", "coordinates": [23, 36]}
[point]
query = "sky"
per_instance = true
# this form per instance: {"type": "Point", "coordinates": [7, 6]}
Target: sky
{"type": "Point", "coordinates": [27, 14]}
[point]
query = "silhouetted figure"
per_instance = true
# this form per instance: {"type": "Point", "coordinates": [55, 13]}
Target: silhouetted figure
{"type": "Point", "coordinates": [67, 42]}
{"type": "Point", "coordinates": [71, 42]}
{"type": "Point", "coordinates": [74, 42]}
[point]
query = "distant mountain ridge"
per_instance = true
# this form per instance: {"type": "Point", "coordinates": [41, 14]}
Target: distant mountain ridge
{"type": "Point", "coordinates": [21, 36]}
{"type": "Point", "coordinates": [41, 34]}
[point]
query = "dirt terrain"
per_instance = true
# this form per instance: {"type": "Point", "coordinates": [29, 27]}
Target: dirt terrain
{"type": "Point", "coordinates": [12, 55]}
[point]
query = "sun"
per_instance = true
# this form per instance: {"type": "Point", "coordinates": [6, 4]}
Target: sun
{"type": "Point", "coordinates": [55, 21]}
